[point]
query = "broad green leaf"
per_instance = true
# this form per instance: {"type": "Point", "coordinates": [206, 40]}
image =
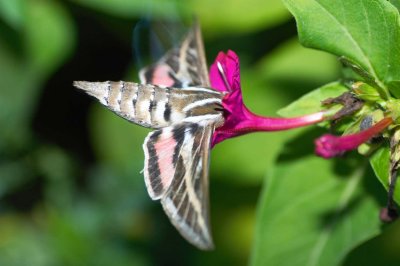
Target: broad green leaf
{"type": "Point", "coordinates": [382, 250]}
{"type": "Point", "coordinates": [365, 31]}
{"type": "Point", "coordinates": [313, 213]}
{"type": "Point", "coordinates": [311, 102]}
{"type": "Point", "coordinates": [396, 3]}
{"type": "Point", "coordinates": [380, 162]}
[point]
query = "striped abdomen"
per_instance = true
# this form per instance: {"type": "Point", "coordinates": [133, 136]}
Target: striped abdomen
{"type": "Point", "coordinates": [154, 106]}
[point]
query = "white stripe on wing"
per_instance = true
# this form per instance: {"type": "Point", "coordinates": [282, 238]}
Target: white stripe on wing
{"type": "Point", "coordinates": [202, 118]}
{"type": "Point", "coordinates": [201, 103]}
{"type": "Point", "coordinates": [198, 89]}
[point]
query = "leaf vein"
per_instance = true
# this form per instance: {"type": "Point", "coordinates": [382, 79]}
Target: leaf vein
{"type": "Point", "coordinates": [352, 39]}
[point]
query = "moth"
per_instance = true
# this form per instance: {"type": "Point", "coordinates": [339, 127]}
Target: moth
{"type": "Point", "coordinates": [176, 101]}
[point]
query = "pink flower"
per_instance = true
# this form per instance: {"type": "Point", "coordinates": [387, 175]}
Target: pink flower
{"type": "Point", "coordinates": [329, 146]}
{"type": "Point", "coordinates": [239, 120]}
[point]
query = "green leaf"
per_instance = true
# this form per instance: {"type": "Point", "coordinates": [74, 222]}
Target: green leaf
{"type": "Point", "coordinates": [381, 250]}
{"type": "Point", "coordinates": [396, 3]}
{"type": "Point", "coordinates": [364, 31]}
{"type": "Point", "coordinates": [312, 213]}
{"type": "Point", "coordinates": [311, 102]}
{"type": "Point", "coordinates": [380, 162]}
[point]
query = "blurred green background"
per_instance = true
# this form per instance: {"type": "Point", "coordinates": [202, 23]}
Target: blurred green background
{"type": "Point", "coordinates": [71, 192]}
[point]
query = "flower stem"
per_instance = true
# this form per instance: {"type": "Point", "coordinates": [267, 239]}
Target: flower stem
{"type": "Point", "coordinates": [254, 122]}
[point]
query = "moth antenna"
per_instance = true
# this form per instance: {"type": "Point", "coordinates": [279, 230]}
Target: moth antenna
{"type": "Point", "coordinates": [222, 72]}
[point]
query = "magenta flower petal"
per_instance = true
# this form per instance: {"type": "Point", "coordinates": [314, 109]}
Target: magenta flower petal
{"type": "Point", "coordinates": [229, 65]}
{"type": "Point", "coordinates": [329, 145]}
{"type": "Point", "coordinates": [239, 120]}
